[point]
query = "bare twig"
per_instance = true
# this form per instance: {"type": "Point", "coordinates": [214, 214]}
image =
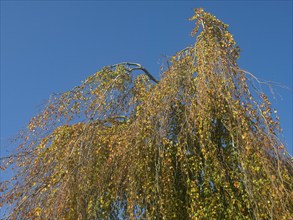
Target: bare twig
{"type": "Point", "coordinates": [135, 66]}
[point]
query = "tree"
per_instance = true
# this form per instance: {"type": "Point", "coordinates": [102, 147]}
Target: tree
{"type": "Point", "coordinates": [201, 143]}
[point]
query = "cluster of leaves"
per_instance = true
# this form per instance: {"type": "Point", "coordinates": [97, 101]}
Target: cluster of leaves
{"type": "Point", "coordinates": [202, 143]}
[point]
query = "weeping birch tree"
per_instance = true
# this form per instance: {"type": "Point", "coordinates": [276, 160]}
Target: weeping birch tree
{"type": "Point", "coordinates": [203, 142]}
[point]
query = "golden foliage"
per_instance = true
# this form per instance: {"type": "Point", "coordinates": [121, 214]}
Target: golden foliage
{"type": "Point", "coordinates": [202, 143]}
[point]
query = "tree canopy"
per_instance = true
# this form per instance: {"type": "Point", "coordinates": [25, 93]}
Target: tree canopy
{"type": "Point", "coordinates": [200, 143]}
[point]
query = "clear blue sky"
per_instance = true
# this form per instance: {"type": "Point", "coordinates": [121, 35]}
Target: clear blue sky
{"type": "Point", "coordinates": [51, 46]}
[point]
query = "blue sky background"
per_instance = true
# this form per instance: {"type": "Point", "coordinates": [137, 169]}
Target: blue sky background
{"type": "Point", "coordinates": [51, 46]}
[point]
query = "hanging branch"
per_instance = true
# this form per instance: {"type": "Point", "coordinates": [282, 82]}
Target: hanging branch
{"type": "Point", "coordinates": [135, 66]}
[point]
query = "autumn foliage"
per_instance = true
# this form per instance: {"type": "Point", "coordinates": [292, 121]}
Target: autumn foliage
{"type": "Point", "coordinates": [201, 143]}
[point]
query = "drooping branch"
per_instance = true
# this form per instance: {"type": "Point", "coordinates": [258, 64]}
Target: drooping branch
{"type": "Point", "coordinates": [129, 66]}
